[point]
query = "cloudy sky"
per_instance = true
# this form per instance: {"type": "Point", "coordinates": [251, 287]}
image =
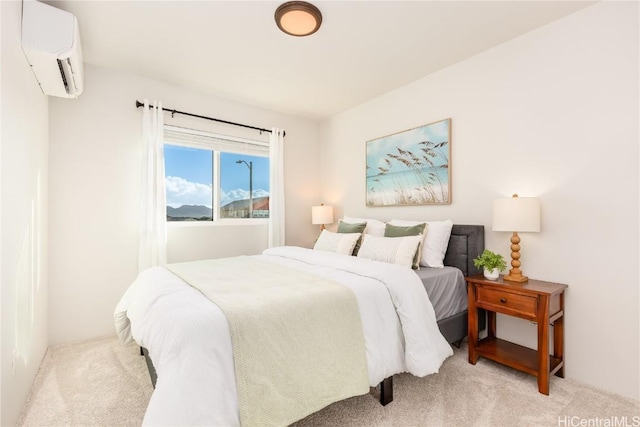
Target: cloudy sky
{"type": "Point", "coordinates": [189, 174]}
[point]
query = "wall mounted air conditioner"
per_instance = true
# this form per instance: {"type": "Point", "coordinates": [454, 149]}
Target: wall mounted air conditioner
{"type": "Point", "coordinates": [51, 43]}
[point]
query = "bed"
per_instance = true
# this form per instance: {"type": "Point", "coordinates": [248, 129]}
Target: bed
{"type": "Point", "coordinates": [185, 388]}
{"type": "Point", "coordinates": [465, 244]}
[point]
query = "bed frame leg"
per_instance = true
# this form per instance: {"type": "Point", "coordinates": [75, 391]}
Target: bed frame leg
{"type": "Point", "coordinates": [152, 370]}
{"type": "Point", "coordinates": [386, 391]}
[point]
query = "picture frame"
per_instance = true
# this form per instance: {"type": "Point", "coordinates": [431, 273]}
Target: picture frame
{"type": "Point", "coordinates": [412, 167]}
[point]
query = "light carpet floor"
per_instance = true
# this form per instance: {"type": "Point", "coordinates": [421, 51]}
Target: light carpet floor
{"type": "Point", "coordinates": [102, 383]}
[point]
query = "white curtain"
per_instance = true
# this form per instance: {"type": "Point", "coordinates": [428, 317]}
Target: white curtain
{"type": "Point", "coordinates": [153, 232]}
{"type": "Point", "coordinates": [276, 190]}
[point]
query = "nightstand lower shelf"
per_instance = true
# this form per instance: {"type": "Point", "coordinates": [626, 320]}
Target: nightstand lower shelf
{"type": "Point", "coordinates": [515, 356]}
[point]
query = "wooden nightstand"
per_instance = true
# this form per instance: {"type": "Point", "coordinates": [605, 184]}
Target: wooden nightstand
{"type": "Point", "coordinates": [537, 301]}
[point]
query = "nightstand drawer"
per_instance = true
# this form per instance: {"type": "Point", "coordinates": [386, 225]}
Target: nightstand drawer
{"type": "Point", "coordinates": [507, 302]}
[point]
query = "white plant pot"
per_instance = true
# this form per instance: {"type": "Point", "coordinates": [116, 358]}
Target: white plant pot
{"type": "Point", "coordinates": [491, 274]}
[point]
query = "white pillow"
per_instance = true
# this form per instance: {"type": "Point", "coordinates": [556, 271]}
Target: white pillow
{"type": "Point", "coordinates": [374, 226]}
{"type": "Point", "coordinates": [436, 241]}
{"type": "Point", "coordinates": [394, 250]}
{"type": "Point", "coordinates": [340, 243]}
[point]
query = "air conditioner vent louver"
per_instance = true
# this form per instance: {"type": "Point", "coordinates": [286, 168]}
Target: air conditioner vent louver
{"type": "Point", "coordinates": [64, 77]}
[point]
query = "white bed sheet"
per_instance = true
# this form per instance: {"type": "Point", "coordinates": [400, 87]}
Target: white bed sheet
{"type": "Point", "coordinates": [189, 343]}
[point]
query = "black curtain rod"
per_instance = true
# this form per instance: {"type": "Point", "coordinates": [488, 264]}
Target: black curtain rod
{"type": "Point", "coordinates": [140, 104]}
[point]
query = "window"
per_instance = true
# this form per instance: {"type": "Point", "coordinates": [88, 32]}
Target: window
{"type": "Point", "coordinates": [212, 177]}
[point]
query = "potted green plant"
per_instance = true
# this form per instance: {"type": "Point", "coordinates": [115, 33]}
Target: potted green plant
{"type": "Point", "coordinates": [491, 263]}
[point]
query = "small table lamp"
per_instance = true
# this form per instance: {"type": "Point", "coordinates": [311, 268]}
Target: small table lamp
{"type": "Point", "coordinates": [517, 214]}
{"type": "Point", "coordinates": [322, 215]}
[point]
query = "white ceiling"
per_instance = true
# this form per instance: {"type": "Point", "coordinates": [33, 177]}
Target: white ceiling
{"type": "Point", "coordinates": [233, 49]}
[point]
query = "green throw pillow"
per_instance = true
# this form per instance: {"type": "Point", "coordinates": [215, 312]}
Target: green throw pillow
{"type": "Point", "coordinates": [401, 231]}
{"type": "Point", "coordinates": [345, 227]}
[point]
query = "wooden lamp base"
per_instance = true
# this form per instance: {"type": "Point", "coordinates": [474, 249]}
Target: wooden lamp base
{"type": "Point", "coordinates": [515, 278]}
{"type": "Point", "coordinates": [515, 275]}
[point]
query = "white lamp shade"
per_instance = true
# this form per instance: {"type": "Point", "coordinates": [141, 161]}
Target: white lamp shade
{"type": "Point", "coordinates": [519, 214]}
{"type": "Point", "coordinates": [322, 214]}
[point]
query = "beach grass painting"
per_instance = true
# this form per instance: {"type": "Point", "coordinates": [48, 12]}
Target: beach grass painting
{"type": "Point", "coordinates": [410, 167]}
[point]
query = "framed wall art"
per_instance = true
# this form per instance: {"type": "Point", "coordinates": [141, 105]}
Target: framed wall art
{"type": "Point", "coordinates": [412, 167]}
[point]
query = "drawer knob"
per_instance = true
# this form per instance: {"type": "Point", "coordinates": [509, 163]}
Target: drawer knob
{"type": "Point", "coordinates": [503, 300]}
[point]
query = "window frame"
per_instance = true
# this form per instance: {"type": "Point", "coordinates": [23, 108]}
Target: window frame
{"type": "Point", "coordinates": [216, 220]}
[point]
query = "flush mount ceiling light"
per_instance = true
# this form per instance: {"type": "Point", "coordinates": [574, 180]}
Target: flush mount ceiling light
{"type": "Point", "coordinates": [298, 18]}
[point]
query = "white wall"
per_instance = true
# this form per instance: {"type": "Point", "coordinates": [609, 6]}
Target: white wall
{"type": "Point", "coordinates": [553, 114]}
{"type": "Point", "coordinates": [23, 154]}
{"type": "Point", "coordinates": [94, 176]}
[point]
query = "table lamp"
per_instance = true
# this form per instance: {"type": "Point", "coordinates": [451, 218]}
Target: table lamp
{"type": "Point", "coordinates": [322, 215]}
{"type": "Point", "coordinates": [517, 214]}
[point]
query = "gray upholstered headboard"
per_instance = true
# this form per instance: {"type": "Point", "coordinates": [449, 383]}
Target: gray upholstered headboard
{"type": "Point", "coordinates": [466, 243]}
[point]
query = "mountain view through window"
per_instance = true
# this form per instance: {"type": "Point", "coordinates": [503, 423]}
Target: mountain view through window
{"type": "Point", "coordinates": [194, 191]}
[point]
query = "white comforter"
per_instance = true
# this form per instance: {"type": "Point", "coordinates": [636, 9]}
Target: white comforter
{"type": "Point", "coordinates": [188, 337]}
